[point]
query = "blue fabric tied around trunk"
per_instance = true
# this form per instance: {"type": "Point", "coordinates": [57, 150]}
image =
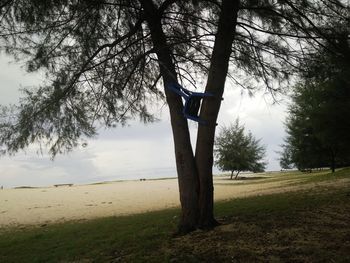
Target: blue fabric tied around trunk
{"type": "Point", "coordinates": [192, 101]}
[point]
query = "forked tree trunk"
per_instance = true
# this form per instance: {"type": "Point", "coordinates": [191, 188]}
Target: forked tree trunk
{"type": "Point", "coordinates": [195, 174]}
{"type": "Point", "coordinates": [210, 109]}
{"type": "Point", "coordinates": [235, 175]}
{"type": "Point", "coordinates": [185, 162]}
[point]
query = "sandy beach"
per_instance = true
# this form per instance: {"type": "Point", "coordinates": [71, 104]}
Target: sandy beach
{"type": "Point", "coordinates": [79, 202]}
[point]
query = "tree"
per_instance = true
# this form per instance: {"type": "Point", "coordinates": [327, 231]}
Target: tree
{"type": "Point", "coordinates": [285, 159]}
{"type": "Point", "coordinates": [236, 151]}
{"type": "Point", "coordinates": [318, 127]}
{"type": "Point", "coordinates": [106, 61]}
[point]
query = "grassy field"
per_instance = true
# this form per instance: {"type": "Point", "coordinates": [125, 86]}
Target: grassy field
{"type": "Point", "coordinates": [303, 226]}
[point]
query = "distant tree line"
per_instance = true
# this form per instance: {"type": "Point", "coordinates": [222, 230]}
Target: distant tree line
{"type": "Point", "coordinates": [318, 125]}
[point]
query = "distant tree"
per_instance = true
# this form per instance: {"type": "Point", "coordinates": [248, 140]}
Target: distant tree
{"type": "Point", "coordinates": [318, 125]}
{"type": "Point", "coordinates": [301, 149]}
{"type": "Point", "coordinates": [237, 151]}
{"type": "Point", "coordinates": [285, 159]}
{"type": "Point", "coordinates": [107, 61]}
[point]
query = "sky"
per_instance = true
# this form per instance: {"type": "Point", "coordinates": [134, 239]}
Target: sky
{"type": "Point", "coordinates": [132, 152]}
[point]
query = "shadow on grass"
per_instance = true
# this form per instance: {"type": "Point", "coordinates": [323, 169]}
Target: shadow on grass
{"type": "Point", "coordinates": [309, 226]}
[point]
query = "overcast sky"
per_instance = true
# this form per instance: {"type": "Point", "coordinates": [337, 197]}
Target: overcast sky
{"type": "Point", "coordinates": [137, 151]}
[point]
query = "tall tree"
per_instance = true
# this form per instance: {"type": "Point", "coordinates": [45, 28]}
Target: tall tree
{"type": "Point", "coordinates": [238, 151]}
{"type": "Point", "coordinates": [318, 126]}
{"type": "Point", "coordinates": [105, 61]}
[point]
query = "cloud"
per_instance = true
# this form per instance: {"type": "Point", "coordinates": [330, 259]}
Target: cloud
{"type": "Point", "coordinates": [260, 116]}
{"type": "Point", "coordinates": [12, 78]}
{"type": "Point", "coordinates": [131, 152]}
{"type": "Point", "coordinates": [38, 170]}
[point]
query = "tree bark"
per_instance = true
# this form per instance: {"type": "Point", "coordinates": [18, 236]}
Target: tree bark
{"type": "Point", "coordinates": [210, 109]}
{"type": "Point", "coordinates": [185, 162]}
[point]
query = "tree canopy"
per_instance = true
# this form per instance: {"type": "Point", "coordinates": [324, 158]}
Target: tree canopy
{"type": "Point", "coordinates": [238, 151]}
{"type": "Point", "coordinates": [318, 126]}
{"type": "Point", "coordinates": [101, 61]}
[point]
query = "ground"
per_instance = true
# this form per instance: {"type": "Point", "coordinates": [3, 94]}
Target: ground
{"type": "Point", "coordinates": [305, 219]}
{"type": "Point", "coordinates": [47, 205]}
{"type": "Point", "coordinates": [318, 232]}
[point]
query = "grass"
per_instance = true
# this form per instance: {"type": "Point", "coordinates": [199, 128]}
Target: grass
{"type": "Point", "coordinates": [297, 177]}
{"type": "Point", "coordinates": [98, 239]}
{"type": "Point", "coordinates": [304, 226]}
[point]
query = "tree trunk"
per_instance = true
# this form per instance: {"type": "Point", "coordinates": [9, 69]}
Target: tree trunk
{"type": "Point", "coordinates": [231, 175]}
{"type": "Point", "coordinates": [333, 161]}
{"type": "Point", "coordinates": [210, 109]}
{"type": "Point", "coordinates": [195, 174]}
{"type": "Point", "coordinates": [237, 175]}
{"type": "Point", "coordinates": [185, 162]}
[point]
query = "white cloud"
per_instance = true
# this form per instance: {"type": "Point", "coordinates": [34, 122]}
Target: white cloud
{"type": "Point", "coordinates": [12, 78]}
{"type": "Point", "coordinates": [260, 116]}
{"type": "Point", "coordinates": [131, 152]}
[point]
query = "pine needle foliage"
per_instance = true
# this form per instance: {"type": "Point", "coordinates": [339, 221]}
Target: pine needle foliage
{"type": "Point", "coordinates": [101, 68]}
{"type": "Point", "coordinates": [237, 151]}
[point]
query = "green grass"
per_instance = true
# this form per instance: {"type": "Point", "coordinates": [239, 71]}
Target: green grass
{"type": "Point", "coordinates": [299, 178]}
{"type": "Point", "coordinates": [98, 239]}
{"type": "Point", "coordinates": [304, 226]}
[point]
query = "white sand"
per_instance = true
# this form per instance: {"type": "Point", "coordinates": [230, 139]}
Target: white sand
{"type": "Point", "coordinates": [47, 205]}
